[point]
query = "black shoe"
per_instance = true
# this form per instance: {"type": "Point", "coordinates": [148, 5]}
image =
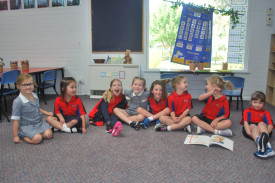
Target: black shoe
{"type": "Point", "coordinates": [161, 127]}
{"type": "Point", "coordinates": [108, 127]}
{"type": "Point", "coordinates": [142, 125]}
{"type": "Point", "coordinates": [135, 125]}
{"type": "Point", "coordinates": [263, 140]}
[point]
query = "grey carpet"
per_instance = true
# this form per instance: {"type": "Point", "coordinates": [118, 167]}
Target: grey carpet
{"type": "Point", "coordinates": [134, 156]}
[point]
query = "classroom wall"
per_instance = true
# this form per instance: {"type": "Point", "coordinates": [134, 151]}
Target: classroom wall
{"type": "Point", "coordinates": [61, 37]}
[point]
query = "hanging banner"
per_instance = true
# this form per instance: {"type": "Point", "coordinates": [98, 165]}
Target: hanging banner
{"type": "Point", "coordinates": [194, 39]}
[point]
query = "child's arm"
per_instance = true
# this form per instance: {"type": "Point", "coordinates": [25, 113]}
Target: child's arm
{"type": "Point", "coordinates": [15, 126]}
{"type": "Point", "coordinates": [204, 96]}
{"type": "Point", "coordinates": [215, 121]}
{"type": "Point", "coordinates": [174, 118]}
{"type": "Point", "coordinates": [83, 124]}
{"type": "Point", "coordinates": [61, 118]}
{"type": "Point", "coordinates": [184, 114]}
{"type": "Point", "coordinates": [46, 112]}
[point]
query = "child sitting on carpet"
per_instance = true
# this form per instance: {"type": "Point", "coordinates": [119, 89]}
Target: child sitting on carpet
{"type": "Point", "coordinates": [138, 98]}
{"type": "Point", "coordinates": [258, 125]}
{"type": "Point", "coordinates": [26, 114]}
{"type": "Point", "coordinates": [214, 116]}
{"type": "Point", "coordinates": [69, 109]}
{"type": "Point", "coordinates": [179, 103]}
{"type": "Point", "coordinates": [103, 110]}
{"type": "Point", "coordinates": [157, 102]}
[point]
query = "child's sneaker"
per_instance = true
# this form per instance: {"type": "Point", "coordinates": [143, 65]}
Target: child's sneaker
{"type": "Point", "coordinates": [200, 130]}
{"type": "Point", "coordinates": [187, 129]}
{"type": "Point", "coordinates": [142, 125]}
{"type": "Point", "coordinates": [161, 128]}
{"type": "Point", "coordinates": [257, 143]}
{"type": "Point", "coordinates": [158, 121]}
{"type": "Point", "coordinates": [146, 122]}
{"type": "Point", "coordinates": [269, 152]}
{"type": "Point", "coordinates": [135, 125]}
{"type": "Point", "coordinates": [117, 129]}
{"type": "Point", "coordinates": [109, 128]}
{"type": "Point", "coordinates": [263, 140]}
{"type": "Point", "coordinates": [226, 133]}
{"type": "Point", "coordinates": [20, 135]}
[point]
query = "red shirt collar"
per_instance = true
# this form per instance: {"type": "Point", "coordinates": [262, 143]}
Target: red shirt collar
{"type": "Point", "coordinates": [177, 95]}
{"type": "Point", "coordinates": [253, 109]}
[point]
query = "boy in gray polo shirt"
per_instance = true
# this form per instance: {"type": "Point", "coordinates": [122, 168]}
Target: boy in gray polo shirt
{"type": "Point", "coordinates": [138, 98]}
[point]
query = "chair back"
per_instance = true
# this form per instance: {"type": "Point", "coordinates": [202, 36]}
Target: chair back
{"type": "Point", "coordinates": [238, 82]}
{"type": "Point", "coordinates": [9, 77]}
{"type": "Point", "coordinates": [49, 75]}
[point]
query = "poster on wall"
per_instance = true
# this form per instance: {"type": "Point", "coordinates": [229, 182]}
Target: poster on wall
{"type": "Point", "coordinates": [43, 3]}
{"type": "Point", "coordinates": [3, 5]}
{"type": "Point", "coordinates": [29, 4]}
{"type": "Point", "coordinates": [15, 4]}
{"type": "Point", "coordinates": [194, 39]}
{"type": "Point", "coordinates": [73, 2]}
{"type": "Point", "coordinates": [57, 3]}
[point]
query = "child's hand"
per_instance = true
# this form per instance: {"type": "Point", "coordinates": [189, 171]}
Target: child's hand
{"type": "Point", "coordinates": [214, 123]}
{"type": "Point", "coordinates": [176, 120]}
{"type": "Point", "coordinates": [104, 94]}
{"type": "Point", "coordinates": [16, 139]}
{"type": "Point", "coordinates": [84, 130]}
{"type": "Point", "coordinates": [50, 113]}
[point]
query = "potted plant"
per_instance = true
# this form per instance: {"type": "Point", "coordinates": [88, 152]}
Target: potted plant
{"type": "Point", "coordinates": [200, 66]}
{"type": "Point", "coordinates": [192, 65]}
{"type": "Point", "coordinates": [1, 64]}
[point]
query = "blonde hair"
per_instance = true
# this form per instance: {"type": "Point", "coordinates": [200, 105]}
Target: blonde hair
{"type": "Point", "coordinates": [176, 80]}
{"type": "Point", "coordinates": [109, 96]}
{"type": "Point", "coordinates": [23, 77]}
{"type": "Point", "coordinates": [217, 81]}
{"type": "Point", "coordinates": [142, 79]}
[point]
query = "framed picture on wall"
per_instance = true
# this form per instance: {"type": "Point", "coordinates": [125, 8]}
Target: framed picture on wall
{"type": "Point", "coordinates": [57, 3]}
{"type": "Point", "coordinates": [15, 4]}
{"type": "Point", "coordinates": [43, 3]}
{"type": "Point", "coordinates": [3, 5]}
{"type": "Point", "coordinates": [29, 4]}
{"type": "Point", "coordinates": [73, 2]}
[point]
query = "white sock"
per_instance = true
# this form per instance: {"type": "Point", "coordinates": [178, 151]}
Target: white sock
{"type": "Point", "coordinates": [74, 130]}
{"type": "Point", "coordinates": [216, 132]}
{"type": "Point", "coordinates": [130, 122]}
{"type": "Point", "coordinates": [168, 128]}
{"type": "Point", "coordinates": [151, 118]}
{"type": "Point", "coordinates": [66, 129]}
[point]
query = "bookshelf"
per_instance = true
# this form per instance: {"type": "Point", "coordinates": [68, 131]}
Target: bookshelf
{"type": "Point", "coordinates": [270, 87]}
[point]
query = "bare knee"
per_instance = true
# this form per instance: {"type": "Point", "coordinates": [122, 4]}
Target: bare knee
{"type": "Point", "coordinates": [139, 110]}
{"type": "Point", "coordinates": [228, 123]}
{"type": "Point", "coordinates": [194, 119]}
{"type": "Point", "coordinates": [48, 134]}
{"type": "Point", "coordinates": [37, 139]}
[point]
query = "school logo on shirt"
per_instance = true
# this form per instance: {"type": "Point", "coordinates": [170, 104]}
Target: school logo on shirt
{"type": "Point", "coordinates": [185, 101]}
{"type": "Point", "coordinates": [261, 115]}
{"type": "Point", "coordinates": [218, 105]}
{"type": "Point", "coordinates": [73, 106]}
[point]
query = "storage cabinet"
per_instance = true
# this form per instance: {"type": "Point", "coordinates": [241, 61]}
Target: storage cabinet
{"type": "Point", "coordinates": [270, 88]}
{"type": "Point", "coordinates": [101, 76]}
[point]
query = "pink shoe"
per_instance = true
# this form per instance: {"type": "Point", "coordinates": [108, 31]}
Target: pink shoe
{"type": "Point", "coordinates": [117, 129]}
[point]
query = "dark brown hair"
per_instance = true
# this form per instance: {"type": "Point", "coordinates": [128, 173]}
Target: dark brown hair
{"type": "Point", "coordinates": [63, 85]}
{"type": "Point", "coordinates": [164, 91]}
{"type": "Point", "coordinates": [258, 95]}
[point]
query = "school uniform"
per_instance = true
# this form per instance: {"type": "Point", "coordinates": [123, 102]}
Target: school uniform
{"type": "Point", "coordinates": [29, 116]}
{"type": "Point", "coordinates": [156, 106]}
{"type": "Point", "coordinates": [214, 108]}
{"type": "Point", "coordinates": [103, 111]}
{"type": "Point", "coordinates": [179, 103]}
{"type": "Point", "coordinates": [70, 110]}
{"type": "Point", "coordinates": [140, 100]}
{"type": "Point", "coordinates": [253, 116]}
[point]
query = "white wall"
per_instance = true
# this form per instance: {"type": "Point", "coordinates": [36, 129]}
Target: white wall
{"type": "Point", "coordinates": [61, 37]}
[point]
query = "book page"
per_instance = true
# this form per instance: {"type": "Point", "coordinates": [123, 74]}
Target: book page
{"type": "Point", "coordinates": [197, 139]}
{"type": "Point", "coordinates": [222, 141]}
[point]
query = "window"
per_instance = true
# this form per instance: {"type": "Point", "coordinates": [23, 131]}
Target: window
{"type": "Point", "coordinates": [228, 45]}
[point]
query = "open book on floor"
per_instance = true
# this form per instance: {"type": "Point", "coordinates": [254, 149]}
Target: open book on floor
{"type": "Point", "coordinates": [208, 141]}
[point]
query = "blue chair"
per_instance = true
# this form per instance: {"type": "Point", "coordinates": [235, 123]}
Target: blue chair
{"type": "Point", "coordinates": [8, 87]}
{"type": "Point", "coordinates": [238, 83]}
{"type": "Point", "coordinates": [49, 81]}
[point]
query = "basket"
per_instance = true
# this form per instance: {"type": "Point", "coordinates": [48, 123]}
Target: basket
{"type": "Point", "coordinates": [224, 66]}
{"type": "Point", "coordinates": [200, 66]}
{"type": "Point", "coordinates": [25, 66]}
{"type": "Point", "coordinates": [14, 65]}
{"type": "Point", "coordinates": [192, 66]}
{"type": "Point", "coordinates": [1, 68]}
{"type": "Point", "coordinates": [99, 61]}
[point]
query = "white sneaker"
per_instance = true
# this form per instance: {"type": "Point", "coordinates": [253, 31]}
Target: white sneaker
{"type": "Point", "coordinates": [200, 130]}
{"type": "Point", "coordinates": [188, 129]}
{"type": "Point", "coordinates": [226, 133]}
{"type": "Point", "coordinates": [269, 152]}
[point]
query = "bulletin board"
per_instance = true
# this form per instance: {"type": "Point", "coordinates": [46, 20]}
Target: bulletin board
{"type": "Point", "coordinates": [117, 25]}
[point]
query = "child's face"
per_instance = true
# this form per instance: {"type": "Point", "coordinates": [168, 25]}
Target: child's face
{"type": "Point", "coordinates": [71, 89]}
{"type": "Point", "coordinates": [257, 104]}
{"type": "Point", "coordinates": [208, 87]}
{"type": "Point", "coordinates": [183, 85]}
{"type": "Point", "coordinates": [116, 88]}
{"type": "Point", "coordinates": [137, 86]}
{"type": "Point", "coordinates": [157, 92]}
{"type": "Point", "coordinates": [26, 87]}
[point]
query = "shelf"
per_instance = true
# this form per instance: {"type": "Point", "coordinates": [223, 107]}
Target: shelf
{"type": "Point", "coordinates": [270, 86]}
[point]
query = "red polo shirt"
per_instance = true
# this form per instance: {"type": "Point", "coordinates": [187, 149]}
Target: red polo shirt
{"type": "Point", "coordinates": [73, 107]}
{"type": "Point", "coordinates": [179, 103]}
{"type": "Point", "coordinates": [257, 116]}
{"type": "Point", "coordinates": [215, 108]}
{"type": "Point", "coordinates": [156, 107]}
